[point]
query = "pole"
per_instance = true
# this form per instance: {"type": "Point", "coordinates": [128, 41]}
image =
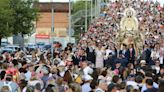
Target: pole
{"type": "Point", "coordinates": [86, 16]}
{"type": "Point", "coordinates": [95, 8]}
{"type": "Point", "coordinates": [52, 31]}
{"type": "Point", "coordinates": [98, 7]}
{"type": "Point", "coordinates": [91, 10]}
{"type": "Point", "coordinates": [69, 30]}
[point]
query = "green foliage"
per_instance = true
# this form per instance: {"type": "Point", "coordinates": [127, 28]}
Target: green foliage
{"type": "Point", "coordinates": [24, 15]}
{"type": "Point", "coordinates": [5, 19]}
{"type": "Point", "coordinates": [16, 16]}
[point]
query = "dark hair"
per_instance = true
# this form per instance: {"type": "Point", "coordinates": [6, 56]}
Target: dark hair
{"type": "Point", "coordinates": [67, 77]}
{"type": "Point", "coordinates": [38, 86]}
{"type": "Point", "coordinates": [8, 77]}
{"type": "Point", "coordinates": [15, 62]}
{"type": "Point", "coordinates": [2, 74]}
{"type": "Point", "coordinates": [22, 70]}
{"type": "Point", "coordinates": [138, 79]}
{"type": "Point", "coordinates": [22, 84]}
{"type": "Point", "coordinates": [155, 79]}
{"type": "Point", "coordinates": [49, 88]}
{"type": "Point", "coordinates": [122, 85]}
{"type": "Point", "coordinates": [104, 73]}
{"type": "Point", "coordinates": [129, 88]}
{"type": "Point", "coordinates": [115, 78]}
{"type": "Point", "coordinates": [95, 73]}
{"type": "Point", "coordinates": [161, 85]}
{"type": "Point", "coordinates": [149, 82]}
{"type": "Point", "coordinates": [93, 84]}
{"type": "Point", "coordinates": [23, 62]}
{"type": "Point", "coordinates": [148, 74]}
{"type": "Point", "coordinates": [111, 87]}
{"type": "Point", "coordinates": [30, 89]}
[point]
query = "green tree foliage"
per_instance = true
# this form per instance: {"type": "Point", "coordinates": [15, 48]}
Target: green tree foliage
{"type": "Point", "coordinates": [24, 16]}
{"type": "Point", "coordinates": [5, 19]}
{"type": "Point", "coordinates": [17, 17]}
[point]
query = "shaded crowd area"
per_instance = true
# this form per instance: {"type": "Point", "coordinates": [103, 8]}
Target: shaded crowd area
{"type": "Point", "coordinates": [97, 63]}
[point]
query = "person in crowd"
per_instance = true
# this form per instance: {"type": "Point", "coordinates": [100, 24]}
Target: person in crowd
{"type": "Point", "coordinates": [99, 56]}
{"type": "Point", "coordinates": [97, 62]}
{"type": "Point", "coordinates": [87, 81]}
{"type": "Point", "coordinates": [74, 87]}
{"type": "Point", "coordinates": [112, 88]}
{"type": "Point", "coordinates": [9, 84]}
{"type": "Point", "coordinates": [90, 51]}
{"type": "Point", "coordinates": [87, 70]}
{"type": "Point", "coordinates": [149, 85]}
{"type": "Point", "coordinates": [130, 54]}
{"type": "Point", "coordinates": [149, 75]}
{"type": "Point", "coordinates": [102, 86]}
{"type": "Point", "coordinates": [93, 85]}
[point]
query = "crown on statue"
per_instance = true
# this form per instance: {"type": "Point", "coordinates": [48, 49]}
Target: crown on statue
{"type": "Point", "coordinates": [129, 12]}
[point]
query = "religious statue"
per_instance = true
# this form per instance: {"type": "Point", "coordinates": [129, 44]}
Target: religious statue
{"type": "Point", "coordinates": [129, 32]}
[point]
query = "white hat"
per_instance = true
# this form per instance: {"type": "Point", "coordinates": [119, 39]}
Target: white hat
{"type": "Point", "coordinates": [142, 61]}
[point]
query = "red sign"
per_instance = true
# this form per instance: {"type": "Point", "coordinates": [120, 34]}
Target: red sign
{"type": "Point", "coordinates": [42, 36]}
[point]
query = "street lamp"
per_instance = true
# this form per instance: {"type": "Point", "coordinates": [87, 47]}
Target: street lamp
{"type": "Point", "coordinates": [86, 19]}
{"type": "Point", "coordinates": [69, 30]}
{"type": "Point", "coordinates": [52, 31]}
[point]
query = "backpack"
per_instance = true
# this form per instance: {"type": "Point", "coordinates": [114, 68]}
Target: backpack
{"type": "Point", "coordinates": [8, 85]}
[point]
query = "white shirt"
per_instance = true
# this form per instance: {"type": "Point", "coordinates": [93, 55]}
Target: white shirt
{"type": "Point", "coordinates": [108, 51]}
{"type": "Point", "coordinates": [155, 54]}
{"type": "Point", "coordinates": [133, 83]}
{"type": "Point", "coordinates": [161, 60]}
{"type": "Point", "coordinates": [28, 75]}
{"type": "Point", "coordinates": [87, 70]}
{"type": "Point", "coordinates": [86, 87]}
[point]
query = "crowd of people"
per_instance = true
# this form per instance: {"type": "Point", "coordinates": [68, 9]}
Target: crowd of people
{"type": "Point", "coordinates": [97, 63]}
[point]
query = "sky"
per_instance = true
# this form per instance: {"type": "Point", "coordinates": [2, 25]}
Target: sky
{"type": "Point", "coordinates": [161, 1]}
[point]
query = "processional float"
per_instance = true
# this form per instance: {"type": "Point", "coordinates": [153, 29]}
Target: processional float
{"type": "Point", "coordinates": [129, 33]}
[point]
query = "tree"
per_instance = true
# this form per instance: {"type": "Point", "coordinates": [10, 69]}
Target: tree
{"type": "Point", "coordinates": [24, 16]}
{"type": "Point", "coordinates": [5, 19]}
{"type": "Point", "coordinates": [17, 17]}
